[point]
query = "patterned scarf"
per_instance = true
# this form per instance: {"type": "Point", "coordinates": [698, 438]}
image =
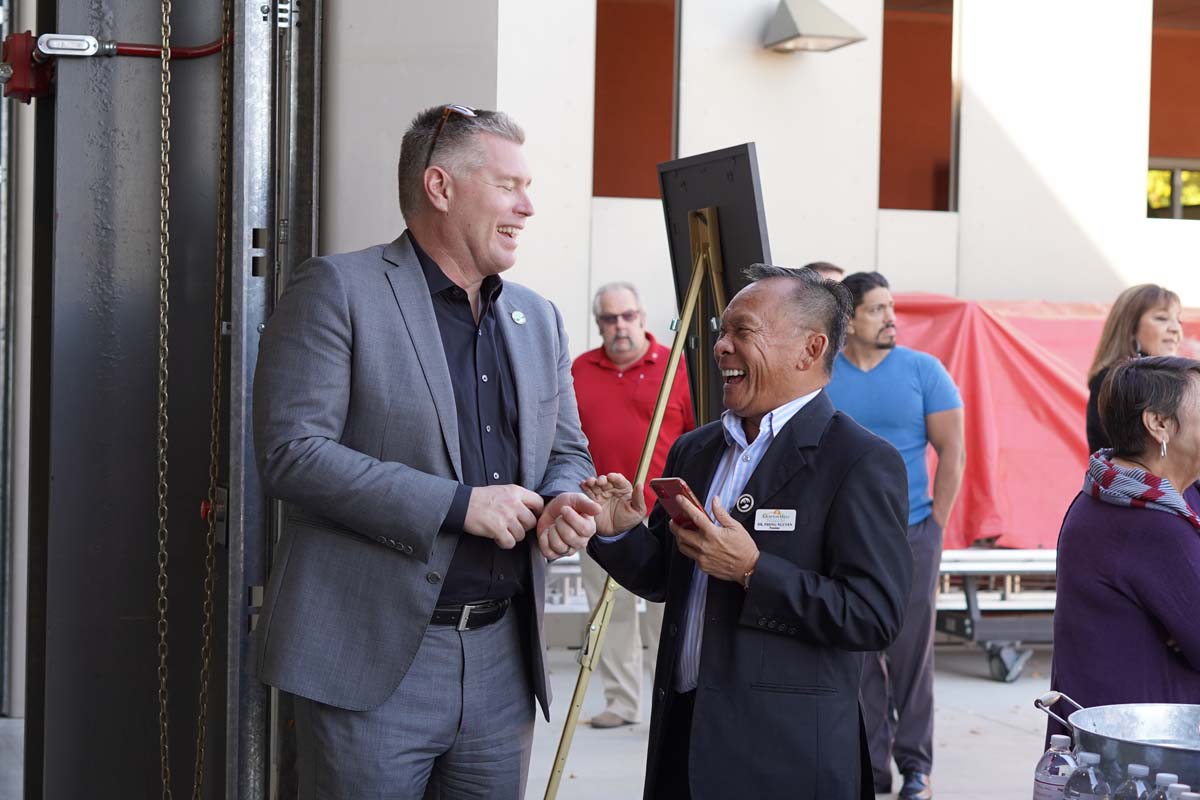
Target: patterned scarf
{"type": "Point", "coordinates": [1133, 487]}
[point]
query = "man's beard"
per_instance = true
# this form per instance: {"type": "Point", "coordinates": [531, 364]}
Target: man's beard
{"type": "Point", "coordinates": [887, 344]}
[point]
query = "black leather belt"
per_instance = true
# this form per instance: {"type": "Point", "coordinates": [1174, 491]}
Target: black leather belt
{"type": "Point", "coordinates": [470, 615]}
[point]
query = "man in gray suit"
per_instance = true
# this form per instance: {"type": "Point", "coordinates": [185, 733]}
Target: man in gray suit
{"type": "Point", "coordinates": [416, 415]}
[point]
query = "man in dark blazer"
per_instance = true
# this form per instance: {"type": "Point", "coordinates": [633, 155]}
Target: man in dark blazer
{"type": "Point", "coordinates": [799, 565]}
{"type": "Point", "coordinates": [417, 416]}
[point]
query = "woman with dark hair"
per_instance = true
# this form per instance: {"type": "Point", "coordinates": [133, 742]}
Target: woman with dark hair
{"type": "Point", "coordinates": [1125, 627]}
{"type": "Point", "coordinates": [1144, 321]}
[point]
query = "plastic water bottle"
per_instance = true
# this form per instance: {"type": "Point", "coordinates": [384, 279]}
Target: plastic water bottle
{"type": "Point", "coordinates": [1055, 766]}
{"type": "Point", "coordinates": [1085, 782]}
{"type": "Point", "coordinates": [1161, 781]}
{"type": "Point", "coordinates": [1136, 785]}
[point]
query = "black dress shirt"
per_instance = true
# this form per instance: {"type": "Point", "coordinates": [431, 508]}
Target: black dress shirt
{"type": "Point", "coordinates": [485, 401]}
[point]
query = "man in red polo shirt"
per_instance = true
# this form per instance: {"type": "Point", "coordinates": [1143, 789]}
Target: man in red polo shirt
{"type": "Point", "coordinates": [616, 386]}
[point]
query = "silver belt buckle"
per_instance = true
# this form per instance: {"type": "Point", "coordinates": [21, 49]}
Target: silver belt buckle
{"type": "Point", "coordinates": [462, 619]}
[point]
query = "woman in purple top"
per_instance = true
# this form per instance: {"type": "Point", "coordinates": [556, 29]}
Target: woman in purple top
{"type": "Point", "coordinates": [1127, 621]}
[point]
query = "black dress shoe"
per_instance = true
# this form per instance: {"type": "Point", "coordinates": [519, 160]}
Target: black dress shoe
{"type": "Point", "coordinates": [916, 787]}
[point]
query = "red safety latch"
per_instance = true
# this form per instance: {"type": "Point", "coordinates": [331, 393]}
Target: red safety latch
{"type": "Point", "coordinates": [24, 76]}
{"type": "Point", "coordinates": [216, 512]}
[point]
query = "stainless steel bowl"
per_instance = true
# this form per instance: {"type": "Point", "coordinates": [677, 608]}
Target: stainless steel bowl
{"type": "Point", "coordinates": [1163, 736]}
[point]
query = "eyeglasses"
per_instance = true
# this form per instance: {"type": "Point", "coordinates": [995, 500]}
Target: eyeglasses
{"type": "Point", "coordinates": [611, 319]}
{"type": "Point", "coordinates": [466, 111]}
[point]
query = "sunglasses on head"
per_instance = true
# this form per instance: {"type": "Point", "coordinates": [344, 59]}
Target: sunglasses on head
{"type": "Point", "coordinates": [453, 108]}
{"type": "Point", "coordinates": [611, 319]}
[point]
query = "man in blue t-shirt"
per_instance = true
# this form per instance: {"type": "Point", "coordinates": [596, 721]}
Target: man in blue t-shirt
{"type": "Point", "coordinates": [906, 397]}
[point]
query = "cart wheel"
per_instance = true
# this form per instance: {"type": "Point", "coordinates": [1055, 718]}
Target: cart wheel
{"type": "Point", "coordinates": [1005, 664]}
{"type": "Point", "coordinates": [997, 668]}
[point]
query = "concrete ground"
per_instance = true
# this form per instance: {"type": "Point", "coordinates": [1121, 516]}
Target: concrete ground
{"type": "Point", "coordinates": [987, 735]}
{"type": "Point", "coordinates": [12, 739]}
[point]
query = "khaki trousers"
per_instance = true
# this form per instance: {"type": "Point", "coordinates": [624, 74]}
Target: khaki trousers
{"type": "Point", "coordinates": [621, 659]}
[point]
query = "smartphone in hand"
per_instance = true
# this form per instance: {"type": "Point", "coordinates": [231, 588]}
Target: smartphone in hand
{"type": "Point", "coordinates": [670, 493]}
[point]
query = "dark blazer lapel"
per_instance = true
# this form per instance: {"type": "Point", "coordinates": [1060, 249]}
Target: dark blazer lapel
{"type": "Point", "coordinates": [702, 467]}
{"type": "Point", "coordinates": [786, 456]}
{"type": "Point", "coordinates": [517, 341]}
{"type": "Point", "coordinates": [416, 309]}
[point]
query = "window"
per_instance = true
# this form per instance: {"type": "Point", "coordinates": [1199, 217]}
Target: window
{"type": "Point", "coordinates": [1173, 180]}
{"type": "Point", "coordinates": [635, 90]}
{"type": "Point", "coordinates": [916, 118]}
{"type": "Point", "coordinates": [1173, 190]}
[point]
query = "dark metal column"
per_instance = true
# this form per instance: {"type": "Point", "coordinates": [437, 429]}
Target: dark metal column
{"type": "Point", "coordinates": [92, 686]}
{"type": "Point", "coordinates": [39, 437]}
{"type": "Point", "coordinates": [92, 700]}
{"type": "Point", "coordinates": [7, 316]}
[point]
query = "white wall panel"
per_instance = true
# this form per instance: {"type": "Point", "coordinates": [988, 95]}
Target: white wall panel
{"type": "Point", "coordinates": [918, 250]}
{"type": "Point", "coordinates": [1055, 113]}
{"type": "Point", "coordinates": [814, 116]}
{"type": "Point", "coordinates": [384, 61]}
{"type": "Point", "coordinates": [1169, 254]}
{"type": "Point", "coordinates": [546, 68]}
{"type": "Point", "coordinates": [629, 243]}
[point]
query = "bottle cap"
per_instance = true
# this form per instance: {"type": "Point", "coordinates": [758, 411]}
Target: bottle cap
{"type": "Point", "coordinates": [1061, 742]}
{"type": "Point", "coordinates": [1138, 771]}
{"type": "Point", "coordinates": [1089, 758]}
{"type": "Point", "coordinates": [1176, 789]}
{"type": "Point", "coordinates": [1189, 796]}
{"type": "Point", "coordinates": [1165, 779]}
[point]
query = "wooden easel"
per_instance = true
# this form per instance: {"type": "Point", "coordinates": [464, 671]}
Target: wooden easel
{"type": "Point", "coordinates": [704, 234]}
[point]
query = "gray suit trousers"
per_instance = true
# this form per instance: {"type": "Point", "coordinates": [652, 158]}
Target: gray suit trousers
{"type": "Point", "coordinates": [897, 684]}
{"type": "Point", "coordinates": [459, 726]}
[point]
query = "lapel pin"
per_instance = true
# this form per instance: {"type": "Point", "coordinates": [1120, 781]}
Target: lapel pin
{"type": "Point", "coordinates": [518, 317]}
{"type": "Point", "coordinates": [744, 503]}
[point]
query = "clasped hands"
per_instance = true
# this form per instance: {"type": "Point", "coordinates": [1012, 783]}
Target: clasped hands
{"type": "Point", "coordinates": [723, 550]}
{"type": "Point", "coordinates": [505, 513]}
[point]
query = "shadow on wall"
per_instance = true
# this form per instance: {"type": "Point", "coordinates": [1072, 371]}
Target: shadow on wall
{"type": "Point", "coordinates": [1020, 236]}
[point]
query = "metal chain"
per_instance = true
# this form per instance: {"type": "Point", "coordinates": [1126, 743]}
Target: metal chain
{"type": "Point", "coordinates": [164, 285]}
{"type": "Point", "coordinates": [214, 426]}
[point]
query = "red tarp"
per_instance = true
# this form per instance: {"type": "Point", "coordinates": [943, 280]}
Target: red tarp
{"type": "Point", "coordinates": [1022, 370]}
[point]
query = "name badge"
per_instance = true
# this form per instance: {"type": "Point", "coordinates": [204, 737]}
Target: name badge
{"type": "Point", "coordinates": [775, 519]}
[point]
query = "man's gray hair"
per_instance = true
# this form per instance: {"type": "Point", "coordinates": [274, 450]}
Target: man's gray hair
{"type": "Point", "coordinates": [456, 149]}
{"type": "Point", "coordinates": [616, 286]}
{"type": "Point", "coordinates": [816, 302]}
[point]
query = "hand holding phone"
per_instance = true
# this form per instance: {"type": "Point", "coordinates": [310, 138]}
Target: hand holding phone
{"type": "Point", "coordinates": [670, 493]}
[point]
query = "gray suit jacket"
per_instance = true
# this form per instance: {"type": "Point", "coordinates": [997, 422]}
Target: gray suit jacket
{"type": "Point", "coordinates": [355, 429]}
